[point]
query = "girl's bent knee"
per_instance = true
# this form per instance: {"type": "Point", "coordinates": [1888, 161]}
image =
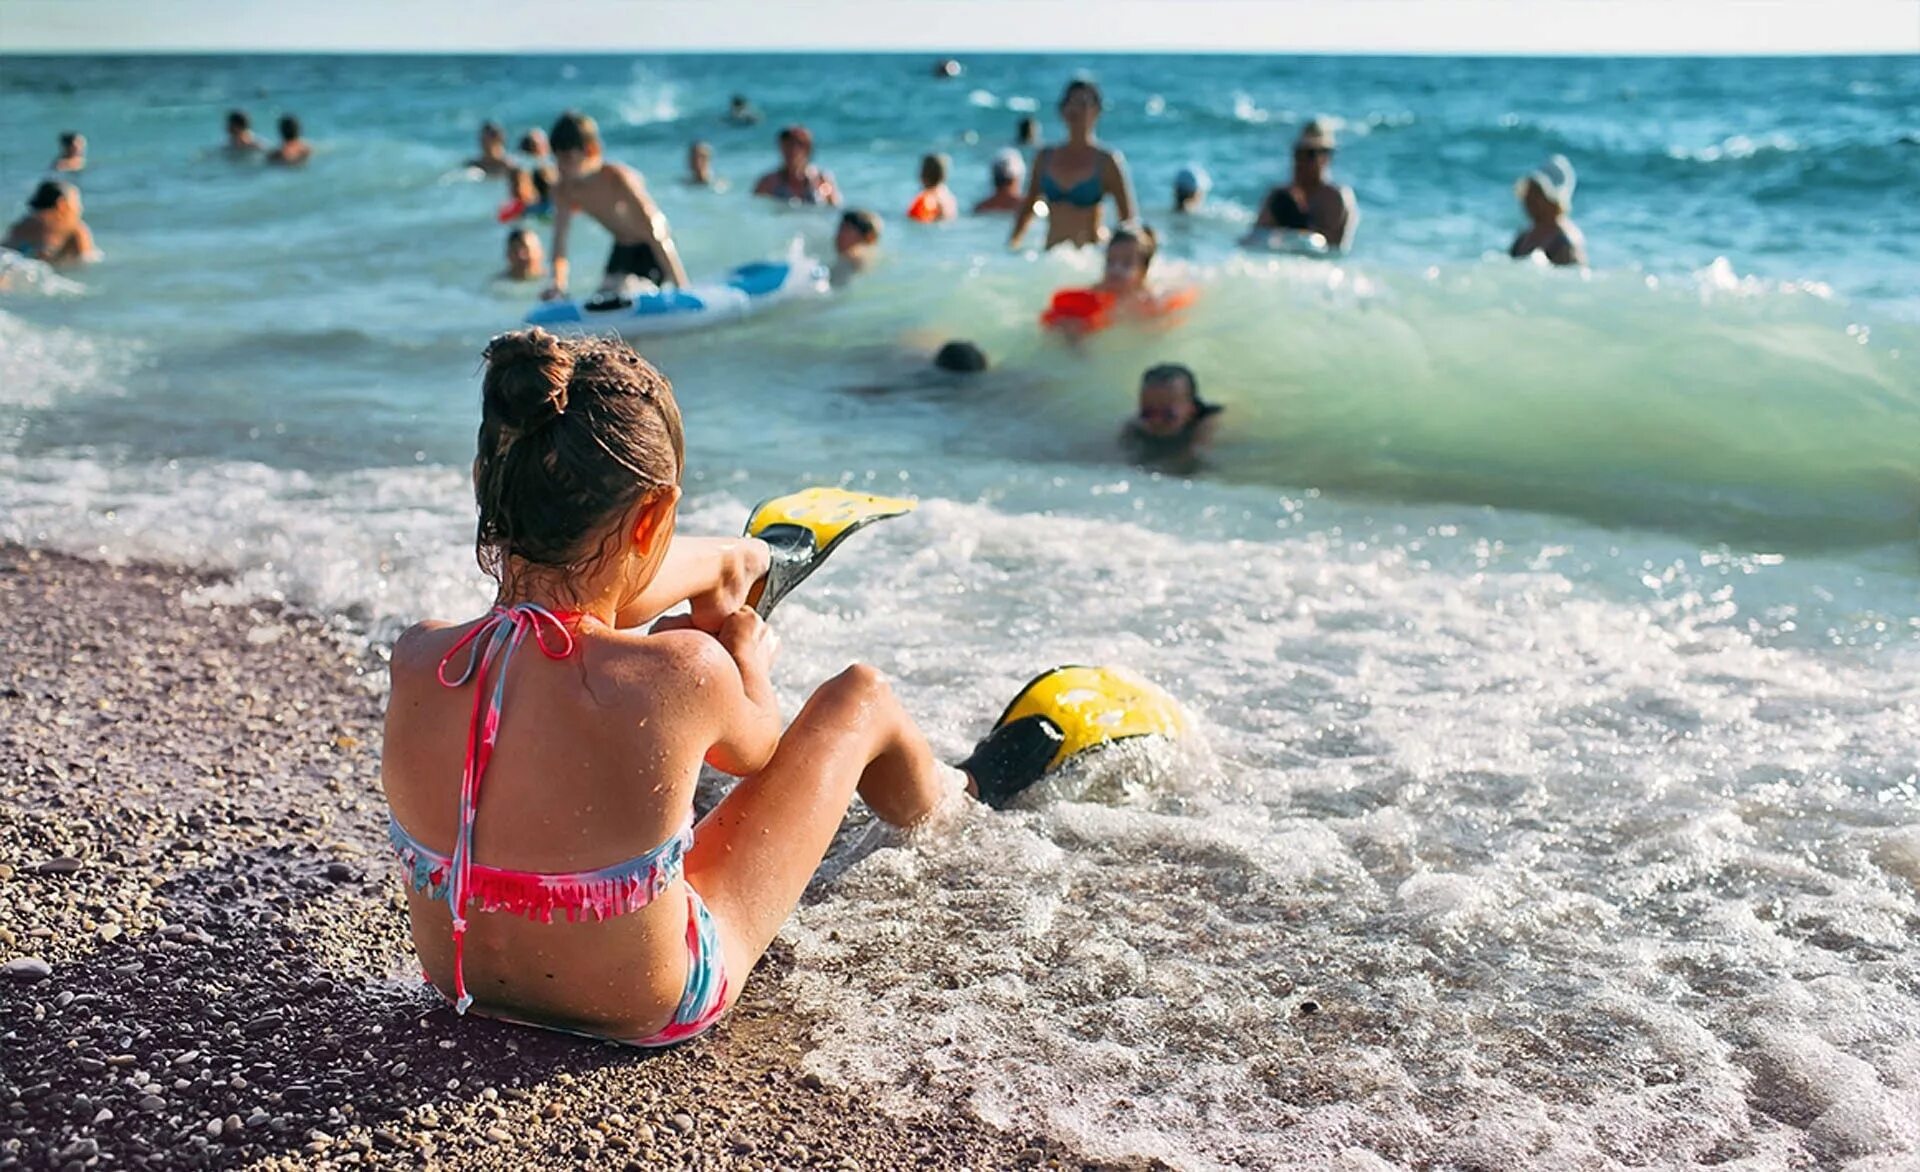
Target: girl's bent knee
{"type": "Point", "coordinates": [852, 693]}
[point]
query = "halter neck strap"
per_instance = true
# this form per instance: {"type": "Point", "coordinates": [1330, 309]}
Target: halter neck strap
{"type": "Point", "coordinates": [489, 647]}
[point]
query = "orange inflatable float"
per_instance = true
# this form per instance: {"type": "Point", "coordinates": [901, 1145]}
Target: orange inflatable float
{"type": "Point", "coordinates": [1086, 311]}
{"type": "Point", "coordinates": [925, 208]}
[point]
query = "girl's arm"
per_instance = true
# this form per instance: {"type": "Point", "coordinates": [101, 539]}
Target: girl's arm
{"type": "Point", "coordinates": [715, 574]}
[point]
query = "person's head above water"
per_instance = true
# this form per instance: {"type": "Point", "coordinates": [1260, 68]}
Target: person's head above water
{"type": "Point", "coordinates": [933, 170]}
{"type": "Point", "coordinates": [700, 162]}
{"type": "Point", "coordinates": [1080, 105]}
{"type": "Point", "coordinates": [1190, 186]}
{"type": "Point", "coordinates": [1130, 254]}
{"type": "Point", "coordinates": [580, 458]}
{"type": "Point", "coordinates": [1008, 169]}
{"type": "Point", "coordinates": [534, 142]}
{"type": "Point", "coordinates": [1313, 151]}
{"type": "Point", "coordinates": [525, 259]}
{"type": "Point", "coordinates": [1547, 192]}
{"type": "Point", "coordinates": [858, 228]}
{"type": "Point", "coordinates": [960, 357]}
{"type": "Point", "coordinates": [493, 137]}
{"type": "Point", "coordinates": [56, 199]}
{"type": "Point", "coordinates": [1027, 133]}
{"type": "Point", "coordinates": [289, 128]}
{"type": "Point", "coordinates": [1169, 399]}
{"type": "Point", "coordinates": [239, 126]}
{"type": "Point", "coordinates": [72, 144]}
{"type": "Point", "coordinates": [796, 146]}
{"type": "Point", "coordinates": [576, 142]}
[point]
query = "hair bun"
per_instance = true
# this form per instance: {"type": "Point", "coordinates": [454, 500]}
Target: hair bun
{"type": "Point", "coordinates": [527, 376]}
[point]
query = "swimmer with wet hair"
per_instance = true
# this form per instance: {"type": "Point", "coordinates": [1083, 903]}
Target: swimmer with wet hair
{"type": "Point", "coordinates": [1546, 195]}
{"type": "Point", "coordinates": [241, 142]}
{"type": "Point", "coordinates": [855, 242]}
{"type": "Point", "coordinates": [52, 230]}
{"type": "Point", "coordinates": [700, 167]}
{"type": "Point", "coordinates": [797, 179]}
{"type": "Point", "coordinates": [960, 357]}
{"type": "Point", "coordinates": [1008, 170]}
{"type": "Point", "coordinates": [73, 153]}
{"type": "Point", "coordinates": [1123, 292]}
{"type": "Point", "coordinates": [741, 112]}
{"type": "Point", "coordinates": [293, 150]}
{"type": "Point", "coordinates": [935, 201]}
{"type": "Point", "coordinates": [492, 161]}
{"type": "Point", "coordinates": [526, 261]}
{"type": "Point", "coordinates": [534, 145]}
{"type": "Point", "coordinates": [616, 198]}
{"type": "Point", "coordinates": [1173, 425]}
{"type": "Point", "coordinates": [1190, 187]}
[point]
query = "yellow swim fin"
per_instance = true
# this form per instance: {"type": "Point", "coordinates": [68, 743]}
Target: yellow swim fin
{"type": "Point", "coordinates": [803, 527]}
{"type": "Point", "coordinates": [1061, 714]}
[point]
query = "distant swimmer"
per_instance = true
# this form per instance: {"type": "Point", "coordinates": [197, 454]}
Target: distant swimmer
{"type": "Point", "coordinates": [1075, 179]}
{"type": "Point", "coordinates": [1027, 132]}
{"type": "Point", "coordinates": [1173, 425]}
{"type": "Point", "coordinates": [935, 201]}
{"type": "Point", "coordinates": [855, 242]}
{"type": "Point", "coordinates": [615, 196]}
{"type": "Point", "coordinates": [293, 150]}
{"type": "Point", "coordinates": [960, 357]}
{"type": "Point", "coordinates": [796, 179]}
{"type": "Point", "coordinates": [52, 230]}
{"type": "Point", "coordinates": [492, 161]}
{"type": "Point", "coordinates": [1308, 204]}
{"type": "Point", "coordinates": [1547, 196]}
{"type": "Point", "coordinates": [525, 260]}
{"type": "Point", "coordinates": [1190, 187]}
{"type": "Point", "coordinates": [700, 168]}
{"type": "Point", "coordinates": [73, 153]}
{"type": "Point", "coordinates": [241, 143]}
{"type": "Point", "coordinates": [529, 193]}
{"type": "Point", "coordinates": [1123, 292]}
{"type": "Point", "coordinates": [533, 144]}
{"type": "Point", "coordinates": [1007, 171]}
{"type": "Point", "coordinates": [740, 112]}
{"type": "Point", "coordinates": [948, 68]}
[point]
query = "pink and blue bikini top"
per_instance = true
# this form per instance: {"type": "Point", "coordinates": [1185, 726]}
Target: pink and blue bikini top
{"type": "Point", "coordinates": [602, 893]}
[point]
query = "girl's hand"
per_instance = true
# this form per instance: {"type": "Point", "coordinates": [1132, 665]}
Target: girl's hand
{"type": "Point", "coordinates": [752, 644]}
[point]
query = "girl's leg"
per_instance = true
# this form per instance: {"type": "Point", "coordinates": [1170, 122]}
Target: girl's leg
{"type": "Point", "coordinates": [755, 852]}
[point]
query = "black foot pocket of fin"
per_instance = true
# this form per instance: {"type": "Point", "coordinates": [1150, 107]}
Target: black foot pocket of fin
{"type": "Point", "coordinates": [1013, 757]}
{"type": "Point", "coordinates": [802, 528]}
{"type": "Point", "coordinates": [1061, 714]}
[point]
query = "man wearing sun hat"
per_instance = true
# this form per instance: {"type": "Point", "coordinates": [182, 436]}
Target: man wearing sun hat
{"type": "Point", "coordinates": [1311, 204]}
{"type": "Point", "coordinates": [1547, 196]}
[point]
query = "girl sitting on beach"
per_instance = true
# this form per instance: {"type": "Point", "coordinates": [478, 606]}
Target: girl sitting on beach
{"type": "Point", "coordinates": [540, 760]}
{"type": "Point", "coordinates": [52, 230]}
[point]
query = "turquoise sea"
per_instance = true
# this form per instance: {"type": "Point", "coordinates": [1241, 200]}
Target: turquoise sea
{"type": "Point", "coordinates": [1552, 634]}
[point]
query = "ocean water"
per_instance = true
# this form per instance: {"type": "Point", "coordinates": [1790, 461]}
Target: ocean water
{"type": "Point", "coordinates": [1551, 635]}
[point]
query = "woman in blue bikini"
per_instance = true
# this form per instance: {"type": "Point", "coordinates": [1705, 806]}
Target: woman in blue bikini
{"type": "Point", "coordinates": [1075, 179]}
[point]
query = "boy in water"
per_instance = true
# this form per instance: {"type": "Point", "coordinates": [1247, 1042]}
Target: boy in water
{"type": "Point", "coordinates": [73, 152]}
{"type": "Point", "coordinates": [854, 244]}
{"type": "Point", "coordinates": [524, 259]}
{"type": "Point", "coordinates": [614, 195]}
{"type": "Point", "coordinates": [492, 159]}
{"type": "Point", "coordinates": [935, 201]}
{"type": "Point", "coordinates": [52, 230]}
{"type": "Point", "coordinates": [700, 168]}
{"type": "Point", "coordinates": [293, 150]}
{"type": "Point", "coordinates": [240, 140]}
{"type": "Point", "coordinates": [1009, 172]}
{"type": "Point", "coordinates": [1174, 425]}
{"type": "Point", "coordinates": [1547, 197]}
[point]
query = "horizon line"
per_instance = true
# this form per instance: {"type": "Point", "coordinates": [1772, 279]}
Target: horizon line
{"type": "Point", "coordinates": [984, 51]}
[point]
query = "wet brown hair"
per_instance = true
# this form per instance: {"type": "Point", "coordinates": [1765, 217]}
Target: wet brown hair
{"type": "Point", "coordinates": [574, 132]}
{"type": "Point", "coordinates": [1081, 85]}
{"type": "Point", "coordinates": [1142, 235]}
{"type": "Point", "coordinates": [573, 432]}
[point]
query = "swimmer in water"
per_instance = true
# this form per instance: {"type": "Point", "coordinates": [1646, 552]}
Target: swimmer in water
{"type": "Point", "coordinates": [73, 153]}
{"type": "Point", "coordinates": [533, 144]}
{"type": "Point", "coordinates": [1074, 179]}
{"type": "Point", "coordinates": [935, 201]}
{"type": "Point", "coordinates": [1007, 171]}
{"type": "Point", "coordinates": [525, 260]}
{"type": "Point", "coordinates": [492, 160]}
{"type": "Point", "coordinates": [241, 143]}
{"type": "Point", "coordinates": [855, 242]}
{"type": "Point", "coordinates": [1123, 291]}
{"type": "Point", "coordinates": [1173, 425]}
{"type": "Point", "coordinates": [700, 167]}
{"type": "Point", "coordinates": [1547, 197]}
{"type": "Point", "coordinates": [740, 112]}
{"type": "Point", "coordinates": [616, 197]}
{"type": "Point", "coordinates": [52, 230]}
{"type": "Point", "coordinates": [293, 150]}
{"type": "Point", "coordinates": [1309, 204]}
{"type": "Point", "coordinates": [1190, 187]}
{"type": "Point", "coordinates": [796, 179]}
{"type": "Point", "coordinates": [1027, 133]}
{"type": "Point", "coordinates": [607, 716]}
{"type": "Point", "coordinates": [529, 193]}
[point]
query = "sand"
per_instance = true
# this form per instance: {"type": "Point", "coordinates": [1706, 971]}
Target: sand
{"type": "Point", "coordinates": [205, 959]}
